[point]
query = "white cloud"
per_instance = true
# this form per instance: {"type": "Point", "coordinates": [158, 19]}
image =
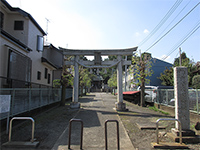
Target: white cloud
{"type": "Point", "coordinates": [137, 34]}
{"type": "Point", "coordinates": [146, 31]}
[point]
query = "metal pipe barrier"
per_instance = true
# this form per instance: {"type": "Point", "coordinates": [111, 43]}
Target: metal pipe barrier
{"type": "Point", "coordinates": [22, 118]}
{"type": "Point", "coordinates": [106, 138]}
{"type": "Point", "coordinates": [169, 119]}
{"type": "Point", "coordinates": [69, 139]}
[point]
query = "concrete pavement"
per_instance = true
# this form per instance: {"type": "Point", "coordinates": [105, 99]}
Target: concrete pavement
{"type": "Point", "coordinates": [96, 108]}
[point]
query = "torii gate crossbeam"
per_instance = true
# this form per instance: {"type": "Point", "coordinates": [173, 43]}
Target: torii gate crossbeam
{"type": "Point", "coordinates": [97, 63]}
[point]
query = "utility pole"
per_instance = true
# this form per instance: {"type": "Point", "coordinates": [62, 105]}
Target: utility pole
{"type": "Point", "coordinates": [125, 82]}
{"type": "Point", "coordinates": [180, 56]}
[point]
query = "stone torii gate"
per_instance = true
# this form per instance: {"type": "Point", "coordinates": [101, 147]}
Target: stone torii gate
{"type": "Point", "coordinates": [98, 63]}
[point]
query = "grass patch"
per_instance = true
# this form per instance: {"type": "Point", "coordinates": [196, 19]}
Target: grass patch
{"type": "Point", "coordinates": [158, 110]}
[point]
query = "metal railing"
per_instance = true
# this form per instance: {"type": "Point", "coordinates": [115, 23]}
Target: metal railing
{"type": "Point", "coordinates": [106, 138]}
{"type": "Point", "coordinates": [27, 99]}
{"type": "Point", "coordinates": [166, 97]}
{"type": "Point", "coordinates": [169, 119]}
{"type": "Point", "coordinates": [22, 118]}
{"type": "Point", "coordinates": [70, 128]}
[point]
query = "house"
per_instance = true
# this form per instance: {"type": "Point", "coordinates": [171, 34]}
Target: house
{"type": "Point", "coordinates": [158, 67]}
{"type": "Point", "coordinates": [53, 57]}
{"type": "Point", "coordinates": [23, 60]}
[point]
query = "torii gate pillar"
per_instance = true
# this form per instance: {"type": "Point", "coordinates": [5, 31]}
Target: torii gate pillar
{"type": "Point", "coordinates": [75, 103]}
{"type": "Point", "coordinates": [119, 105]}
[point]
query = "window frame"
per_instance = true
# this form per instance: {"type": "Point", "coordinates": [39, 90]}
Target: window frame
{"type": "Point", "coordinates": [18, 25]}
{"type": "Point", "coordinates": [40, 43]}
{"type": "Point", "coordinates": [49, 78]}
{"type": "Point", "coordinates": [45, 73]}
{"type": "Point", "coordinates": [1, 20]}
{"type": "Point", "coordinates": [39, 75]}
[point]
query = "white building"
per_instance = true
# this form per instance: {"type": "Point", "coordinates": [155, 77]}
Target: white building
{"type": "Point", "coordinates": [21, 50]}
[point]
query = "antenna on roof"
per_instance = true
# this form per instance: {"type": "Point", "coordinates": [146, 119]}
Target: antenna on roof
{"type": "Point", "coordinates": [47, 27]}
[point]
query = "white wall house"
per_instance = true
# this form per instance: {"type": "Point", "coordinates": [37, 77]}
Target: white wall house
{"type": "Point", "coordinates": [21, 50]}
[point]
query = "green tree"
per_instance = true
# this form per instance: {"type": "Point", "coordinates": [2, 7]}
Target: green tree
{"type": "Point", "coordinates": [141, 69]}
{"type": "Point", "coordinates": [84, 78]}
{"type": "Point", "coordinates": [196, 82]}
{"type": "Point", "coordinates": [167, 77]}
{"type": "Point", "coordinates": [112, 82]}
{"type": "Point", "coordinates": [66, 81]}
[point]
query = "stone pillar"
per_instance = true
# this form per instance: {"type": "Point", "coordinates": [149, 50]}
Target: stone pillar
{"type": "Point", "coordinates": [181, 97]}
{"type": "Point", "coordinates": [75, 103]}
{"type": "Point", "coordinates": [182, 112]}
{"type": "Point", "coordinates": [119, 104]}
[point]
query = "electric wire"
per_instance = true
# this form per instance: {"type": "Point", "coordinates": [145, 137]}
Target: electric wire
{"type": "Point", "coordinates": [169, 13]}
{"type": "Point", "coordinates": [183, 39]}
{"type": "Point", "coordinates": [173, 27]}
{"type": "Point", "coordinates": [173, 20]}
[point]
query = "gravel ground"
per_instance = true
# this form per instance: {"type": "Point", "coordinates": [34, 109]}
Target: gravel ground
{"type": "Point", "coordinates": [142, 139]}
{"type": "Point", "coordinates": [51, 124]}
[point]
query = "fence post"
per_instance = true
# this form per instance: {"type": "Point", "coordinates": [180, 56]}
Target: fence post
{"type": "Point", "coordinates": [167, 96]}
{"type": "Point", "coordinates": [40, 91]}
{"type": "Point", "coordinates": [197, 98]}
{"type": "Point", "coordinates": [13, 102]}
{"type": "Point", "coordinates": [29, 100]}
{"type": "Point", "coordinates": [157, 96]}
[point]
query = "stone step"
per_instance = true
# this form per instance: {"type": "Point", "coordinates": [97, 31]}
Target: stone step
{"type": "Point", "coordinates": [19, 144]}
{"type": "Point", "coordinates": [185, 139]}
{"type": "Point", "coordinates": [164, 145]}
{"type": "Point", "coordinates": [184, 132]}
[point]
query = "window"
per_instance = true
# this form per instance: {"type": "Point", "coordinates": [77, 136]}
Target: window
{"type": "Point", "coordinates": [19, 68]}
{"type": "Point", "coordinates": [19, 25]}
{"type": "Point", "coordinates": [39, 75]}
{"type": "Point", "coordinates": [1, 19]}
{"type": "Point", "coordinates": [45, 73]}
{"type": "Point", "coordinates": [40, 43]}
{"type": "Point", "coordinates": [49, 77]}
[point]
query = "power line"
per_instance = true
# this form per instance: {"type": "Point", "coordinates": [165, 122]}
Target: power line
{"type": "Point", "coordinates": [173, 27]}
{"type": "Point", "coordinates": [197, 26]}
{"type": "Point", "coordinates": [169, 13]}
{"type": "Point", "coordinates": [173, 19]}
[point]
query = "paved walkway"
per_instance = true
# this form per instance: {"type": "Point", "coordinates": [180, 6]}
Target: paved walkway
{"type": "Point", "coordinates": [96, 108]}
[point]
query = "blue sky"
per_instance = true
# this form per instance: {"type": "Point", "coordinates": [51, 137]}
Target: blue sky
{"type": "Point", "coordinates": [105, 24]}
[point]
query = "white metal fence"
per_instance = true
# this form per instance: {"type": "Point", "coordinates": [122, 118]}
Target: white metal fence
{"type": "Point", "coordinates": [167, 97]}
{"type": "Point", "coordinates": [26, 99]}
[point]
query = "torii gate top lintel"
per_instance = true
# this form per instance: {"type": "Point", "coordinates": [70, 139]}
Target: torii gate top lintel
{"type": "Point", "coordinates": [103, 52]}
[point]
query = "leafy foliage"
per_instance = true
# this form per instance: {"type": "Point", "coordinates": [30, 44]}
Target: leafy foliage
{"type": "Point", "coordinates": [167, 77]}
{"type": "Point", "coordinates": [196, 82]}
{"type": "Point", "coordinates": [66, 78]}
{"type": "Point", "coordinates": [84, 77]}
{"type": "Point", "coordinates": [141, 69]}
{"type": "Point", "coordinates": [112, 82]}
